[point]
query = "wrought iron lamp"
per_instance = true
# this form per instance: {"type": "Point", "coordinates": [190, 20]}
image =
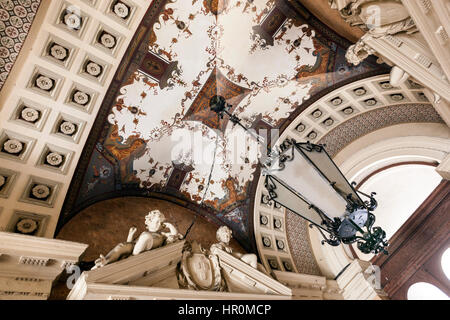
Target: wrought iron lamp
{"type": "Point", "coordinates": [302, 177]}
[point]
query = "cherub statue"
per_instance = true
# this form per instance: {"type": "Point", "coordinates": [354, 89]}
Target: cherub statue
{"type": "Point", "coordinates": [151, 239]}
{"type": "Point", "coordinates": [224, 235]}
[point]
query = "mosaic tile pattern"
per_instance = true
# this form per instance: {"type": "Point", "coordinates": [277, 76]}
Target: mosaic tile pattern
{"type": "Point", "coordinates": [299, 244]}
{"type": "Point", "coordinates": [16, 17]}
{"type": "Point", "coordinates": [349, 131]}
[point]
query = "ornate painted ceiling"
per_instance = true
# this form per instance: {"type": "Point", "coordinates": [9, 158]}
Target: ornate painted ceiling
{"type": "Point", "coordinates": [155, 135]}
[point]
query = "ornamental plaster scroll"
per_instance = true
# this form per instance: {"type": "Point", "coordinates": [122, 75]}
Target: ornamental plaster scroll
{"type": "Point", "coordinates": [393, 36]}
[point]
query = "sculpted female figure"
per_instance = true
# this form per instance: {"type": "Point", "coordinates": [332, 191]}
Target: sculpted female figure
{"type": "Point", "coordinates": [151, 239]}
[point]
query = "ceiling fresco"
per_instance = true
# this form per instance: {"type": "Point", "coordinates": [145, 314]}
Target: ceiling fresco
{"type": "Point", "coordinates": [158, 135]}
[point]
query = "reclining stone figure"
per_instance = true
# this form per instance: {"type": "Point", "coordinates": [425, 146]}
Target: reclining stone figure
{"type": "Point", "coordinates": [148, 240]}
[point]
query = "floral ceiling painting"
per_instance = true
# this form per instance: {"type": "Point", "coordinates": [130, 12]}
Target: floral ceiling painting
{"type": "Point", "coordinates": [160, 136]}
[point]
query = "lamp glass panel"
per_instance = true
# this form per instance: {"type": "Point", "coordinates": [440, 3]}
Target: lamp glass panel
{"type": "Point", "coordinates": [329, 169]}
{"type": "Point", "coordinates": [289, 199]}
{"type": "Point", "coordinates": [301, 176]}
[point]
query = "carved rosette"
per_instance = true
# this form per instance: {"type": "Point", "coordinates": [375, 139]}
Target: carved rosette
{"type": "Point", "coordinates": [58, 52]}
{"type": "Point", "coordinates": [81, 98]}
{"type": "Point", "coordinates": [121, 10]}
{"type": "Point", "coordinates": [108, 40]}
{"type": "Point", "coordinates": [68, 128]}
{"type": "Point", "coordinates": [72, 21]}
{"type": "Point", "coordinates": [54, 159]}
{"type": "Point", "coordinates": [30, 114]}
{"type": "Point", "coordinates": [27, 226]}
{"type": "Point", "coordinates": [94, 69]}
{"type": "Point", "coordinates": [40, 191]}
{"type": "Point", "coordinates": [13, 146]}
{"type": "Point", "coordinates": [44, 83]}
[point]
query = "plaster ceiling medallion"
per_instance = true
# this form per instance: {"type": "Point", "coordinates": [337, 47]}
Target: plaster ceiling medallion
{"type": "Point", "coordinates": [317, 114]}
{"type": "Point", "coordinates": [264, 220]}
{"type": "Point", "coordinates": [40, 191]}
{"type": "Point", "coordinates": [301, 127]}
{"type": "Point", "coordinates": [312, 135]}
{"type": "Point", "coordinates": [2, 181]}
{"type": "Point", "coordinates": [30, 114]}
{"type": "Point", "coordinates": [81, 98]}
{"type": "Point", "coordinates": [386, 85]}
{"type": "Point", "coordinates": [68, 128]}
{"type": "Point", "coordinates": [108, 40]}
{"type": "Point", "coordinates": [58, 52]}
{"type": "Point", "coordinates": [273, 264]}
{"type": "Point", "coordinates": [280, 244]}
{"type": "Point", "coordinates": [94, 69]}
{"type": "Point", "coordinates": [266, 242]}
{"type": "Point", "coordinates": [44, 83]}
{"type": "Point", "coordinates": [27, 226]}
{"type": "Point", "coordinates": [13, 146]}
{"type": "Point", "coordinates": [328, 122]}
{"type": "Point", "coordinates": [360, 92]}
{"type": "Point", "coordinates": [336, 101]}
{"type": "Point", "coordinates": [348, 110]}
{"type": "Point", "coordinates": [121, 10]}
{"type": "Point", "coordinates": [72, 20]}
{"type": "Point", "coordinates": [397, 97]}
{"type": "Point", "coordinates": [277, 223]}
{"type": "Point", "coordinates": [287, 266]}
{"type": "Point", "coordinates": [54, 159]}
{"type": "Point", "coordinates": [371, 102]}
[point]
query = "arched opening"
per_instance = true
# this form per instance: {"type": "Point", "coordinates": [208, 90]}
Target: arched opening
{"type": "Point", "coordinates": [425, 291]}
{"type": "Point", "coordinates": [400, 190]}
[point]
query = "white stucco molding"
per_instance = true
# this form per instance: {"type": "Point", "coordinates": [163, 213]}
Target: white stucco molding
{"type": "Point", "coordinates": [29, 265]}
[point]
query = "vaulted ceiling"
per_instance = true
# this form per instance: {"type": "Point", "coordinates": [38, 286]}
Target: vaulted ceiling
{"type": "Point", "coordinates": [155, 135]}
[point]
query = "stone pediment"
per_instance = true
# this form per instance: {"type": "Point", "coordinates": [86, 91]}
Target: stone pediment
{"type": "Point", "coordinates": [142, 269]}
{"type": "Point", "coordinates": [152, 275]}
{"type": "Point", "coordinates": [241, 277]}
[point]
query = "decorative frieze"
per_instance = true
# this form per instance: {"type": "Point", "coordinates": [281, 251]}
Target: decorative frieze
{"type": "Point", "coordinates": [442, 35]}
{"type": "Point", "coordinates": [41, 262]}
{"type": "Point", "coordinates": [425, 6]}
{"type": "Point", "coordinates": [423, 60]}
